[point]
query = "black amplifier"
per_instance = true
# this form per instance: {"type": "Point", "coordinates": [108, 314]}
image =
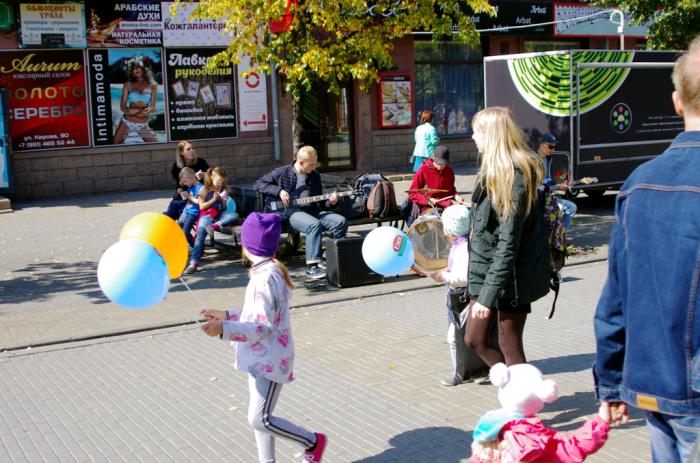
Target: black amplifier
{"type": "Point", "coordinates": [345, 265]}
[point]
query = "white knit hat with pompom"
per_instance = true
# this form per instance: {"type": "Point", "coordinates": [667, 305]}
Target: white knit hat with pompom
{"type": "Point", "coordinates": [455, 220]}
{"type": "Point", "coordinates": [522, 388]}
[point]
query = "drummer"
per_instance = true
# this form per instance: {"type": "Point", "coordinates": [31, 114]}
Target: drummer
{"type": "Point", "coordinates": [435, 174]}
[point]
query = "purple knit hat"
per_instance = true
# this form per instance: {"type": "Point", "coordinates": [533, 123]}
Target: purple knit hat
{"type": "Point", "coordinates": [260, 234]}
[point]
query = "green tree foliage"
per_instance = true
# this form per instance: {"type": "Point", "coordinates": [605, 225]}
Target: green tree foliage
{"type": "Point", "coordinates": [674, 22]}
{"type": "Point", "coordinates": [333, 41]}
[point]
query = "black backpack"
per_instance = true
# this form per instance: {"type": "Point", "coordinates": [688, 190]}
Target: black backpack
{"type": "Point", "coordinates": [364, 182]}
{"type": "Point", "coordinates": [556, 239]}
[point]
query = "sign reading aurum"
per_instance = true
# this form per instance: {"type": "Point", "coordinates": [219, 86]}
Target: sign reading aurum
{"type": "Point", "coordinates": [25, 64]}
{"type": "Point", "coordinates": [47, 104]}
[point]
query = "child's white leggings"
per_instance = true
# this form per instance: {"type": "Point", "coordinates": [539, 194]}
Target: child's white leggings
{"type": "Point", "coordinates": [263, 398]}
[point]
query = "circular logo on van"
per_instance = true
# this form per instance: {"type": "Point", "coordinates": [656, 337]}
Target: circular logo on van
{"type": "Point", "coordinates": [621, 117]}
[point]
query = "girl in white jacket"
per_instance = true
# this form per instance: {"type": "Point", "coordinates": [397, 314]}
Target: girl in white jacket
{"type": "Point", "coordinates": [262, 332]}
{"type": "Point", "coordinates": [455, 222]}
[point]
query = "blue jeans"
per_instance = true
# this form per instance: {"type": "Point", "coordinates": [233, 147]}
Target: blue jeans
{"type": "Point", "coordinates": [568, 208]}
{"type": "Point", "coordinates": [198, 248]}
{"type": "Point", "coordinates": [671, 436]}
{"type": "Point", "coordinates": [175, 208]}
{"type": "Point", "coordinates": [312, 225]}
{"type": "Point", "coordinates": [226, 219]}
{"type": "Point", "coordinates": [187, 221]}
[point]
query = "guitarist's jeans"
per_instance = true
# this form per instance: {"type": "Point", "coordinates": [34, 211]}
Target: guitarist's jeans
{"type": "Point", "coordinates": [312, 225]}
{"type": "Point", "coordinates": [568, 209]}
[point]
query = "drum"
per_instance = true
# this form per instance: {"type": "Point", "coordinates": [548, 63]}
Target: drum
{"type": "Point", "coordinates": [430, 244]}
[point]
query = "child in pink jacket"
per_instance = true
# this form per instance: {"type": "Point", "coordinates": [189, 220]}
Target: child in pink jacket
{"type": "Point", "coordinates": [262, 332]}
{"type": "Point", "coordinates": [514, 434]}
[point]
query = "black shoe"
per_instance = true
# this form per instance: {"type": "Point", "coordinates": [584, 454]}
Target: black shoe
{"type": "Point", "coordinates": [314, 272]}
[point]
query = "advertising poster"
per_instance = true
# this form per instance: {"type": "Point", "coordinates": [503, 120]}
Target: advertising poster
{"type": "Point", "coordinates": [52, 25]}
{"type": "Point", "coordinates": [395, 101]}
{"type": "Point", "coordinates": [125, 23]}
{"type": "Point", "coordinates": [48, 107]}
{"type": "Point", "coordinates": [200, 100]}
{"type": "Point", "coordinates": [252, 94]}
{"type": "Point", "coordinates": [126, 96]}
{"type": "Point", "coordinates": [9, 37]}
{"type": "Point", "coordinates": [181, 31]}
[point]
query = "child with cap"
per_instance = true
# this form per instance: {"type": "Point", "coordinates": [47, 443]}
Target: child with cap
{"type": "Point", "coordinates": [435, 174]}
{"type": "Point", "coordinates": [513, 433]}
{"type": "Point", "coordinates": [466, 364]}
{"type": "Point", "coordinates": [262, 332]}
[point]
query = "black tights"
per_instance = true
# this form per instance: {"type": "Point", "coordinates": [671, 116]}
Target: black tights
{"type": "Point", "coordinates": [510, 337]}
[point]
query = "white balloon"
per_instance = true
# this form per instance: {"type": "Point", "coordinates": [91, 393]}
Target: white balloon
{"type": "Point", "coordinates": [387, 251]}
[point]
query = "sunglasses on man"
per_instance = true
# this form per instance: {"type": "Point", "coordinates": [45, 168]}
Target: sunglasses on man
{"type": "Point", "coordinates": [550, 146]}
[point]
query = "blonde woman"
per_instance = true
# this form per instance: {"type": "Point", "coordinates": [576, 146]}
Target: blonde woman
{"type": "Point", "coordinates": [508, 262]}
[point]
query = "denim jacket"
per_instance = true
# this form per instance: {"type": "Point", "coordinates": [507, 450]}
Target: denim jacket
{"type": "Point", "coordinates": [647, 324]}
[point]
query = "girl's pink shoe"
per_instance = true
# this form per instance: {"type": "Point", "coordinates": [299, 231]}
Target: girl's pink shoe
{"type": "Point", "coordinates": [315, 455]}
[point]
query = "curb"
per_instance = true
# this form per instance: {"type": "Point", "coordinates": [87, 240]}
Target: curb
{"type": "Point", "coordinates": [109, 334]}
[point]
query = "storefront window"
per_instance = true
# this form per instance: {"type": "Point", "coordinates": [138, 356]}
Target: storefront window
{"type": "Point", "coordinates": [449, 82]}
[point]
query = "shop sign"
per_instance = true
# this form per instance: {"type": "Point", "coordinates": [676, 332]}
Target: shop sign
{"type": "Point", "coordinates": [52, 25]}
{"type": "Point", "coordinates": [252, 92]}
{"type": "Point", "coordinates": [180, 30]}
{"type": "Point", "coordinates": [125, 23]}
{"type": "Point", "coordinates": [509, 14]}
{"type": "Point", "coordinates": [200, 99]}
{"type": "Point", "coordinates": [47, 99]}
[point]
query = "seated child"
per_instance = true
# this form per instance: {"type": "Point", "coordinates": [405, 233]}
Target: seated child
{"type": "Point", "coordinates": [513, 433]}
{"type": "Point", "coordinates": [214, 212]}
{"type": "Point", "coordinates": [190, 213]}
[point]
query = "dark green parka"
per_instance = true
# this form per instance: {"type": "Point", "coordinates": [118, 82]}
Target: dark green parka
{"type": "Point", "coordinates": [501, 251]}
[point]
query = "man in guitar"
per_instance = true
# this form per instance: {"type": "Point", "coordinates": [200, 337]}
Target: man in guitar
{"type": "Point", "coordinates": [292, 183]}
{"type": "Point", "coordinates": [545, 149]}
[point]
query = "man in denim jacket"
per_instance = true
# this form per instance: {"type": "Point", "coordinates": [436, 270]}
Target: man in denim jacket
{"type": "Point", "coordinates": [647, 322]}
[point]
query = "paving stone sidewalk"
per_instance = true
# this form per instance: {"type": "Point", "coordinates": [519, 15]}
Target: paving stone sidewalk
{"type": "Point", "coordinates": [49, 252]}
{"type": "Point", "coordinates": [368, 374]}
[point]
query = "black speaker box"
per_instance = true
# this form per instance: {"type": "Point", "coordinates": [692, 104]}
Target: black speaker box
{"type": "Point", "coordinates": [345, 265]}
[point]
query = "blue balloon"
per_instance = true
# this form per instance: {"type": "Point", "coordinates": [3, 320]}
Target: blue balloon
{"type": "Point", "coordinates": [132, 274]}
{"type": "Point", "coordinates": [387, 251]}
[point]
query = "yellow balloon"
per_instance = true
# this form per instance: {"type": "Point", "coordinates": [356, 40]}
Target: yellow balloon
{"type": "Point", "coordinates": [164, 234]}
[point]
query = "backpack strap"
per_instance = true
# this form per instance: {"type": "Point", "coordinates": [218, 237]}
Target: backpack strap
{"type": "Point", "coordinates": [554, 283]}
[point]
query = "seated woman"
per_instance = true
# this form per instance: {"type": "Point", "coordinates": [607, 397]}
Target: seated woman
{"type": "Point", "coordinates": [436, 174]}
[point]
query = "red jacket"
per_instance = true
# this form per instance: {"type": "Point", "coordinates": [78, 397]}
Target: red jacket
{"type": "Point", "coordinates": [428, 176]}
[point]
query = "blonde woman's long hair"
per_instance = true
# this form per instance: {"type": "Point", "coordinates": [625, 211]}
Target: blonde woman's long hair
{"type": "Point", "coordinates": [504, 150]}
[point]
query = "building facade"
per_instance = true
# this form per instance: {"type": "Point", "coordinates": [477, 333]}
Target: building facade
{"type": "Point", "coordinates": [73, 94]}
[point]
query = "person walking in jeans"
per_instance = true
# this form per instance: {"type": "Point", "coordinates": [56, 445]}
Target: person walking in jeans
{"type": "Point", "coordinates": [647, 323]}
{"type": "Point", "coordinates": [301, 179]}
